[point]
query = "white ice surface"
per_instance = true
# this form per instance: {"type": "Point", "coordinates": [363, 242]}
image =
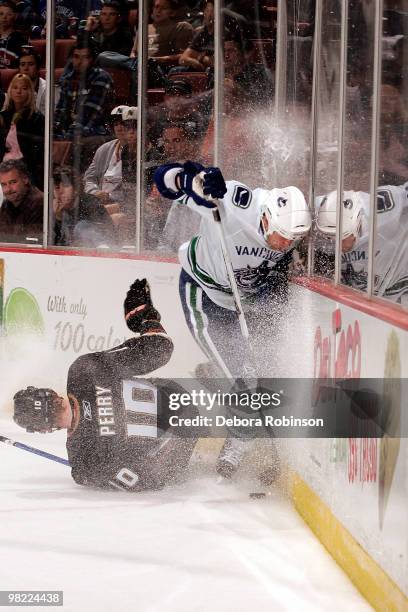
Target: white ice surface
{"type": "Point", "coordinates": [198, 546]}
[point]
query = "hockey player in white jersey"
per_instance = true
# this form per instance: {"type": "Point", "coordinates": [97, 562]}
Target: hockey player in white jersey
{"type": "Point", "coordinates": [391, 254]}
{"type": "Point", "coordinates": [261, 227]}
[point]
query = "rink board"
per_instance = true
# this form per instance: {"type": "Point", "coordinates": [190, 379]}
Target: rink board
{"type": "Point", "coordinates": [55, 308]}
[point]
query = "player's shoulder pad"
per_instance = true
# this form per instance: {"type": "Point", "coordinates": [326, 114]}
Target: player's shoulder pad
{"type": "Point", "coordinates": [240, 194]}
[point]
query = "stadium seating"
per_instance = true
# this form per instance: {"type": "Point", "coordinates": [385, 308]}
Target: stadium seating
{"type": "Point", "coordinates": [6, 74]}
{"type": "Point", "coordinates": [197, 80]}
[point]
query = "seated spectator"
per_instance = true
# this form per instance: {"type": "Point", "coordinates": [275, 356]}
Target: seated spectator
{"type": "Point", "coordinates": [103, 178]}
{"type": "Point", "coordinates": [80, 218]}
{"type": "Point", "coordinates": [109, 30]}
{"type": "Point", "coordinates": [178, 106]}
{"type": "Point", "coordinates": [22, 128]}
{"type": "Point", "coordinates": [30, 64]}
{"type": "Point", "coordinates": [21, 213]}
{"type": "Point", "coordinates": [254, 81]}
{"type": "Point", "coordinates": [179, 143]}
{"type": "Point", "coordinates": [26, 15]}
{"type": "Point", "coordinates": [84, 91]}
{"type": "Point", "coordinates": [11, 40]}
{"type": "Point", "coordinates": [199, 55]}
{"type": "Point", "coordinates": [168, 38]}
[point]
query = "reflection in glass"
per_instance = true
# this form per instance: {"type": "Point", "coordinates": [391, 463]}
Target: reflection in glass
{"type": "Point", "coordinates": [179, 124]}
{"type": "Point", "coordinates": [391, 253]}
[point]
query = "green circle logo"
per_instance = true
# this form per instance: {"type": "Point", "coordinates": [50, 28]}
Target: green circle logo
{"type": "Point", "coordinates": [21, 313]}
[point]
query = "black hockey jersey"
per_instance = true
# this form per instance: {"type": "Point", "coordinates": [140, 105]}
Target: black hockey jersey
{"type": "Point", "coordinates": [116, 429]}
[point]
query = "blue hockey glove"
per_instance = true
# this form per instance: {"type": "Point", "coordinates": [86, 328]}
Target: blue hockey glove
{"type": "Point", "coordinates": [165, 180]}
{"type": "Point", "coordinates": [213, 183]}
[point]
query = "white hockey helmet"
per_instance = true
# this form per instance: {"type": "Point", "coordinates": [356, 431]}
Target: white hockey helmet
{"type": "Point", "coordinates": [287, 213]}
{"type": "Point", "coordinates": [351, 216]}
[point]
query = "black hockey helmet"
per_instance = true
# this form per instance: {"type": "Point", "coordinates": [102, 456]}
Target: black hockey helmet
{"type": "Point", "coordinates": [34, 409]}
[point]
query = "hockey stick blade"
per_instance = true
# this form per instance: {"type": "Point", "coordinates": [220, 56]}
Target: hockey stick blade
{"type": "Point", "coordinates": [35, 451]}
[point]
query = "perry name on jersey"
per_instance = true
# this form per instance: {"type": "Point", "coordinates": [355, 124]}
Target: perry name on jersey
{"type": "Point", "coordinates": [253, 262]}
{"type": "Point", "coordinates": [117, 417]}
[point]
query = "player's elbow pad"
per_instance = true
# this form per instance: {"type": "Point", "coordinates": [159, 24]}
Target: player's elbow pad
{"type": "Point", "coordinates": [165, 180]}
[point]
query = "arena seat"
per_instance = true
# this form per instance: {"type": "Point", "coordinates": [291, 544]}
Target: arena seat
{"type": "Point", "coordinates": [197, 80]}
{"type": "Point", "coordinates": [121, 85]}
{"type": "Point", "coordinates": [39, 46]}
{"type": "Point", "coordinates": [61, 152]}
{"type": "Point", "coordinates": [155, 96]}
{"type": "Point", "coordinates": [6, 74]}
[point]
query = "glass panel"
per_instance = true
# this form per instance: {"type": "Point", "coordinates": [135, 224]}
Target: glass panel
{"type": "Point", "coordinates": [249, 41]}
{"type": "Point", "coordinates": [328, 101]}
{"type": "Point", "coordinates": [291, 157]}
{"type": "Point", "coordinates": [355, 254]}
{"type": "Point", "coordinates": [179, 118]}
{"type": "Point", "coordinates": [22, 126]}
{"type": "Point", "coordinates": [94, 124]}
{"type": "Point", "coordinates": [391, 253]}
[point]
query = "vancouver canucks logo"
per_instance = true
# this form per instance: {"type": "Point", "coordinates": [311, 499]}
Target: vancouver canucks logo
{"type": "Point", "coordinates": [250, 279]}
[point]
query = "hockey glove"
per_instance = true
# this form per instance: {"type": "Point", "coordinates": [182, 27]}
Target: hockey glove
{"type": "Point", "coordinates": [191, 181]}
{"type": "Point", "coordinates": [138, 306]}
{"type": "Point", "coordinates": [213, 183]}
{"type": "Point", "coordinates": [165, 177]}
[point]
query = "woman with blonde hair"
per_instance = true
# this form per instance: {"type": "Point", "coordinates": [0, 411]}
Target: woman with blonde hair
{"type": "Point", "coordinates": [22, 128]}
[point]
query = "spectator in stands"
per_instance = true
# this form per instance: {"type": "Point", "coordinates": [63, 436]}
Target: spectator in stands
{"type": "Point", "coordinates": [199, 55]}
{"type": "Point", "coordinates": [103, 178]}
{"type": "Point", "coordinates": [22, 128]}
{"type": "Point", "coordinates": [84, 92]}
{"type": "Point", "coordinates": [30, 64]}
{"type": "Point", "coordinates": [11, 40]}
{"type": "Point", "coordinates": [180, 142]}
{"type": "Point", "coordinates": [179, 106]}
{"type": "Point", "coordinates": [21, 213]}
{"type": "Point", "coordinates": [80, 218]}
{"type": "Point", "coordinates": [168, 37]}
{"type": "Point", "coordinates": [26, 15]}
{"type": "Point", "coordinates": [244, 79]}
{"type": "Point", "coordinates": [109, 30]}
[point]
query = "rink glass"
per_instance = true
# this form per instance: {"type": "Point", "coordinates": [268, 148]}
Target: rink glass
{"type": "Point", "coordinates": [263, 140]}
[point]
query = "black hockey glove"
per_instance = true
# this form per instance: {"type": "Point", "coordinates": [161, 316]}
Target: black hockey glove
{"type": "Point", "coordinates": [138, 306]}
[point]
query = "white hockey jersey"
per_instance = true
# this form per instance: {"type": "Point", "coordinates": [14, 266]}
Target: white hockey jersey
{"type": "Point", "coordinates": [390, 247]}
{"type": "Point", "coordinates": [253, 262]}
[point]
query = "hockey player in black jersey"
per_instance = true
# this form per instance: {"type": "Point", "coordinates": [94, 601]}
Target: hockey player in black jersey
{"type": "Point", "coordinates": [114, 420]}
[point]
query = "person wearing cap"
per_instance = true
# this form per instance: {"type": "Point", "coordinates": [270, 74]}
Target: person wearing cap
{"type": "Point", "coordinates": [103, 178]}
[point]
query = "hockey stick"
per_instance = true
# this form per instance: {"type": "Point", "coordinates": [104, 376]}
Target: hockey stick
{"type": "Point", "coordinates": [36, 451]}
{"type": "Point", "coordinates": [249, 369]}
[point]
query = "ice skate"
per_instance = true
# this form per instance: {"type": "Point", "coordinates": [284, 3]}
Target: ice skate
{"type": "Point", "coordinates": [230, 457]}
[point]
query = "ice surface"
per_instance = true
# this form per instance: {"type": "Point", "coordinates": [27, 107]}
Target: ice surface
{"type": "Point", "coordinates": [194, 547]}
